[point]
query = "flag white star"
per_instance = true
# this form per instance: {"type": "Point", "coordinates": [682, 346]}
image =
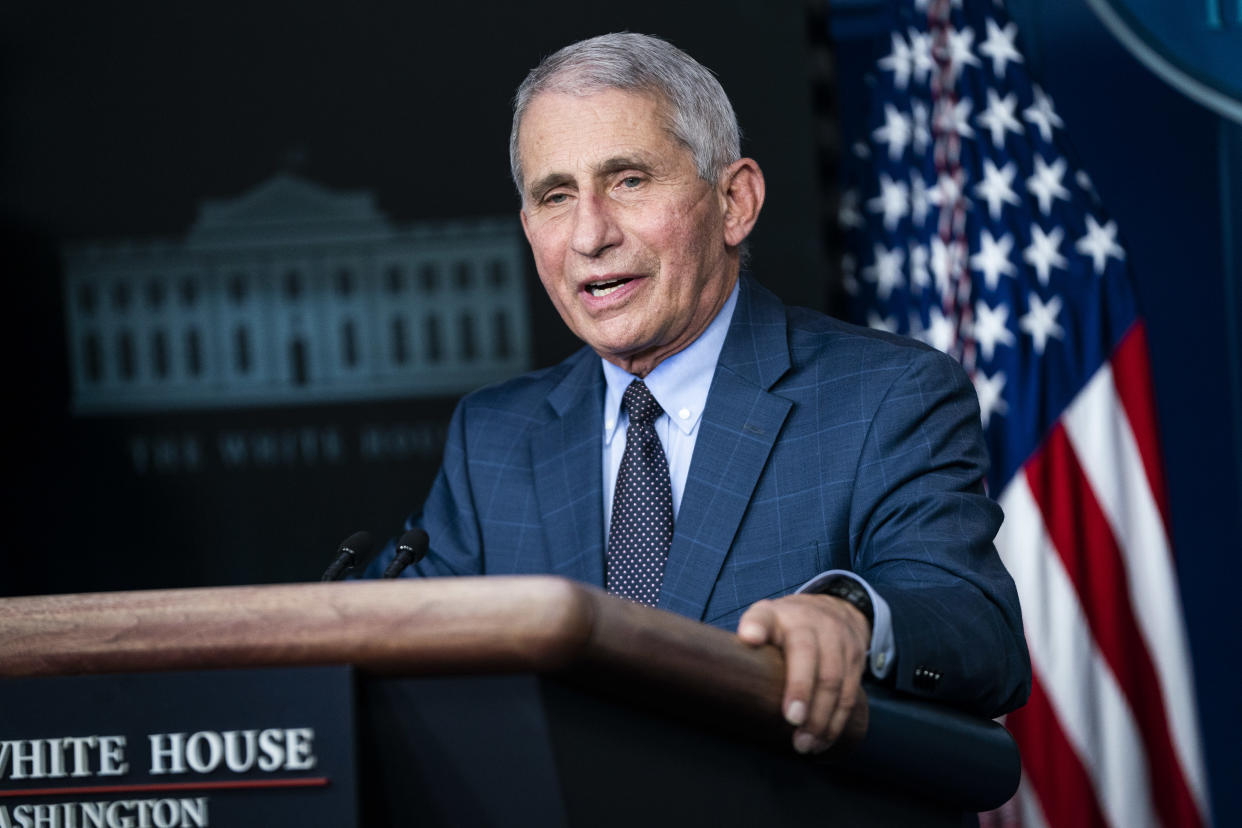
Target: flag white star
{"type": "Point", "coordinates": [948, 190]}
{"type": "Point", "coordinates": [954, 117]}
{"type": "Point", "coordinates": [1100, 243]}
{"type": "Point", "coordinates": [899, 61]}
{"type": "Point", "coordinates": [999, 46]}
{"type": "Point", "coordinates": [989, 390]}
{"type": "Point", "coordinates": [849, 274]}
{"type": "Point", "coordinates": [919, 202]}
{"type": "Point", "coordinates": [920, 121]}
{"type": "Point", "coordinates": [848, 214]}
{"type": "Point", "coordinates": [945, 262]}
{"type": "Point", "coordinates": [998, 118]}
{"type": "Point", "coordinates": [920, 54]}
{"type": "Point", "coordinates": [895, 132]}
{"type": "Point", "coordinates": [991, 328]}
{"type": "Point", "coordinates": [995, 188]}
{"type": "Point", "coordinates": [893, 201]}
{"type": "Point", "coordinates": [941, 333]}
{"type": "Point", "coordinates": [920, 277]}
{"type": "Point", "coordinates": [992, 260]}
{"type": "Point", "coordinates": [1044, 251]}
{"type": "Point", "coordinates": [1046, 184]}
{"type": "Point", "coordinates": [1042, 115]}
{"type": "Point", "coordinates": [960, 54]}
{"type": "Point", "coordinates": [886, 272]}
{"type": "Point", "coordinates": [881, 323]}
{"type": "Point", "coordinates": [1040, 321]}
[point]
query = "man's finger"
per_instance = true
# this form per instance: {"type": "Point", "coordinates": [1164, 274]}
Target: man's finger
{"type": "Point", "coordinates": [829, 678]}
{"type": "Point", "coordinates": [756, 625]}
{"type": "Point", "coordinates": [845, 706]}
{"type": "Point", "coordinates": [801, 665]}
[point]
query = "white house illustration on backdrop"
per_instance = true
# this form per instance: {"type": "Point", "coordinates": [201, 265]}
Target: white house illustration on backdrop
{"type": "Point", "coordinates": [290, 294]}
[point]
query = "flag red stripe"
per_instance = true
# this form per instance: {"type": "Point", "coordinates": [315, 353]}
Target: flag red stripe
{"type": "Point", "coordinates": [1052, 767]}
{"type": "Point", "coordinates": [1132, 377]}
{"type": "Point", "coordinates": [1084, 541]}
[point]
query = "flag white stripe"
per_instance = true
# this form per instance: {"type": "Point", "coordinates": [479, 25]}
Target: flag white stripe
{"type": "Point", "coordinates": [1101, 435]}
{"type": "Point", "coordinates": [1031, 815]}
{"type": "Point", "coordinates": [1081, 689]}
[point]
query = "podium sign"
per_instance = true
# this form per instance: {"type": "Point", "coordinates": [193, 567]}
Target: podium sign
{"type": "Point", "coordinates": [271, 747]}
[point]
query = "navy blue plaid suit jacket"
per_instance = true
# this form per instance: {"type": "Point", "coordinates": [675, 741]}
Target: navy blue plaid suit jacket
{"type": "Point", "coordinates": [822, 446]}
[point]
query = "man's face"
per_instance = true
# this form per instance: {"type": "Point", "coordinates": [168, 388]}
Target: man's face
{"type": "Point", "coordinates": [628, 240]}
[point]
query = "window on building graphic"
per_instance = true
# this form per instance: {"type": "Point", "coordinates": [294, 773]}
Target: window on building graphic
{"type": "Point", "coordinates": [463, 275]}
{"type": "Point", "coordinates": [241, 350]}
{"type": "Point", "coordinates": [159, 354]}
{"type": "Point", "coordinates": [92, 358]}
{"type": "Point", "coordinates": [87, 298]}
{"type": "Point", "coordinates": [397, 335]}
{"type": "Point", "coordinates": [431, 329]}
{"type": "Point", "coordinates": [193, 353]}
{"type": "Point", "coordinates": [497, 273]}
{"type": "Point", "coordinates": [344, 283]}
{"type": "Point", "coordinates": [155, 293]}
{"type": "Point", "coordinates": [189, 292]}
{"type": "Point", "coordinates": [299, 371]}
{"type": "Point", "coordinates": [465, 329]}
{"type": "Point", "coordinates": [394, 279]}
{"type": "Point", "coordinates": [349, 344]}
{"type": "Point", "coordinates": [502, 348]}
{"type": "Point", "coordinates": [125, 355]}
{"type": "Point", "coordinates": [120, 296]}
{"type": "Point", "coordinates": [237, 288]}
{"type": "Point", "coordinates": [428, 277]}
{"type": "Point", "coordinates": [293, 285]}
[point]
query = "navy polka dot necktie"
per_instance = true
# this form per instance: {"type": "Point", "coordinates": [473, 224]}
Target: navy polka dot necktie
{"type": "Point", "coordinates": [642, 505]}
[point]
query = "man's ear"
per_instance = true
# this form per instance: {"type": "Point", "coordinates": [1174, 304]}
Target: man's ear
{"type": "Point", "coordinates": [741, 191]}
{"type": "Point", "coordinates": [525, 229]}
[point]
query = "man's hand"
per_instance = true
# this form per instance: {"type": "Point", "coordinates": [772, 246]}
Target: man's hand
{"type": "Point", "coordinates": [825, 642]}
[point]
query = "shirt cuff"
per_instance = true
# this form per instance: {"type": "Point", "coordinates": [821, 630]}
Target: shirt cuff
{"type": "Point", "coordinates": [883, 650]}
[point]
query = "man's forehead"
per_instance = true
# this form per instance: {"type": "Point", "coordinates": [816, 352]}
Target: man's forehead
{"type": "Point", "coordinates": [616, 122]}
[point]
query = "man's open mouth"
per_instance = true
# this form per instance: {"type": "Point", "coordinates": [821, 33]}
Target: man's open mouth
{"type": "Point", "coordinates": [606, 287]}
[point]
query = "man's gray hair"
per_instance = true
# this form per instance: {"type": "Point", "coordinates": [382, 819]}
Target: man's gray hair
{"type": "Point", "coordinates": [700, 115]}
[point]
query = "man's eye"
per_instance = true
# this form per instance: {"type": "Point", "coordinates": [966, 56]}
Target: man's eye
{"type": "Point", "coordinates": [555, 198]}
{"type": "Point", "coordinates": [631, 181]}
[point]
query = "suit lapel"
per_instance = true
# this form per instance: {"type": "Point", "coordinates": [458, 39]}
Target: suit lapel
{"type": "Point", "coordinates": [739, 428]}
{"type": "Point", "coordinates": [566, 456]}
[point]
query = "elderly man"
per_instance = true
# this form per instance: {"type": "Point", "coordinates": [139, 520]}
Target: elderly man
{"type": "Point", "coordinates": [712, 452]}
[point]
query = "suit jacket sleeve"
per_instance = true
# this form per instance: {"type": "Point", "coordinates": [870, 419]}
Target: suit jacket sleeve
{"type": "Point", "coordinates": [921, 534]}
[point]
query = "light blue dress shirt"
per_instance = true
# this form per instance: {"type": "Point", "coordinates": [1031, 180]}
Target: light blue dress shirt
{"type": "Point", "coordinates": [680, 385]}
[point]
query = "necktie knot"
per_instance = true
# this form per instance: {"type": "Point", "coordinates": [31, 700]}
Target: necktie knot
{"type": "Point", "coordinates": [640, 405]}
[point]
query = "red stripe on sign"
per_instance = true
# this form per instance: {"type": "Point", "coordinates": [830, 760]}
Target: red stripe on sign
{"type": "Point", "coordinates": [232, 785]}
{"type": "Point", "coordinates": [1088, 549]}
{"type": "Point", "coordinates": [1132, 377]}
{"type": "Point", "coordinates": [1052, 767]}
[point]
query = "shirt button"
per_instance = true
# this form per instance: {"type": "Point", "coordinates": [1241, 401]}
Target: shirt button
{"type": "Point", "coordinates": [880, 661]}
{"type": "Point", "coordinates": [609, 424]}
{"type": "Point", "coordinates": [684, 413]}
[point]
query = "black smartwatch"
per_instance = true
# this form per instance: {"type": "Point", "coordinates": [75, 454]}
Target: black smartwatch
{"type": "Point", "coordinates": [847, 589]}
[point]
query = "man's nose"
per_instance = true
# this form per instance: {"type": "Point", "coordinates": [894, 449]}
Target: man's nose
{"type": "Point", "coordinates": [595, 228]}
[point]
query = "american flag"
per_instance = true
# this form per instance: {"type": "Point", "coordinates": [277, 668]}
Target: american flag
{"type": "Point", "coordinates": [969, 226]}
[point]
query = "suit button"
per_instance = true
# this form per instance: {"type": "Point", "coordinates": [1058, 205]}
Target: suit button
{"type": "Point", "coordinates": [926, 678]}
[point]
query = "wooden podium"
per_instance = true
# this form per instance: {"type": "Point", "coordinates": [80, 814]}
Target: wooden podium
{"type": "Point", "coordinates": [536, 701]}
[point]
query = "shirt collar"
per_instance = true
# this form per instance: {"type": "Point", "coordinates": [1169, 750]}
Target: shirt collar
{"type": "Point", "coordinates": [679, 383]}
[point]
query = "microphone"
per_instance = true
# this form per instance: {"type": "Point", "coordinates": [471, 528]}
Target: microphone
{"type": "Point", "coordinates": [352, 549]}
{"type": "Point", "coordinates": [411, 547]}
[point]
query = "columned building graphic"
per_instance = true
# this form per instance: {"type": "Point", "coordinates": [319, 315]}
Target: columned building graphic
{"type": "Point", "coordinates": [291, 294]}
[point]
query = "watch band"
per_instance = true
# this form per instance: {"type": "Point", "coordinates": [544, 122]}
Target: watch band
{"type": "Point", "coordinates": [847, 589]}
